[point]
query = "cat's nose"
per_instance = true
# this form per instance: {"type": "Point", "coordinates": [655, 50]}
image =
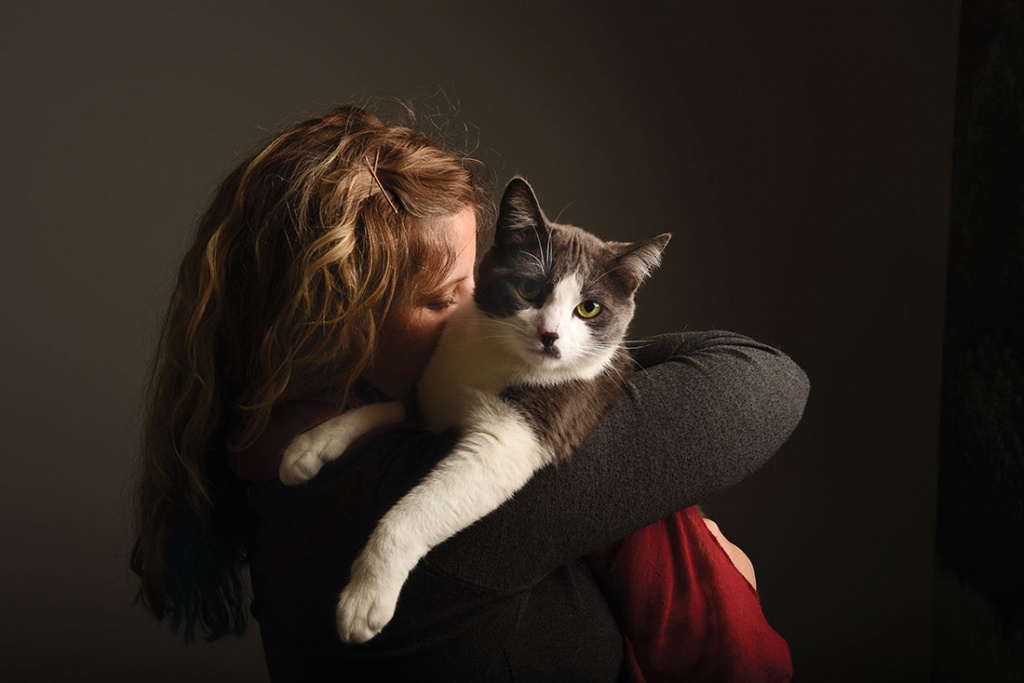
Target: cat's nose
{"type": "Point", "coordinates": [548, 339]}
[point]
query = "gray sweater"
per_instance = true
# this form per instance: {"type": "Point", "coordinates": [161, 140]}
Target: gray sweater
{"type": "Point", "coordinates": [509, 599]}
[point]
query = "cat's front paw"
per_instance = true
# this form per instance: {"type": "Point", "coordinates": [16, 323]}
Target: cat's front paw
{"type": "Point", "coordinates": [365, 608]}
{"type": "Point", "coordinates": [303, 459]}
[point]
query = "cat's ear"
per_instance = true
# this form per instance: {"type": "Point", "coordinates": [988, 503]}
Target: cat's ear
{"type": "Point", "coordinates": [519, 211]}
{"type": "Point", "coordinates": [636, 260]}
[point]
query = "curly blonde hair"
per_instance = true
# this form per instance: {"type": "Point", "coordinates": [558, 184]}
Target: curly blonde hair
{"type": "Point", "coordinates": [295, 266]}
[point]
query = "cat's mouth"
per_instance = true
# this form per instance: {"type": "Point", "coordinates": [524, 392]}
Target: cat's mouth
{"type": "Point", "coordinates": [544, 352]}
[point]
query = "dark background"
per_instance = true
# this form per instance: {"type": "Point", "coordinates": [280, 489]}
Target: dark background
{"type": "Point", "coordinates": [800, 152]}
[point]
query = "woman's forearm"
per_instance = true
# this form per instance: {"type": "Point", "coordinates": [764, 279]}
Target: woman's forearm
{"type": "Point", "coordinates": [705, 410]}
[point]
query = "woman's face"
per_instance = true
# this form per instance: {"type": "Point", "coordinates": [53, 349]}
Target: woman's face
{"type": "Point", "coordinates": [412, 329]}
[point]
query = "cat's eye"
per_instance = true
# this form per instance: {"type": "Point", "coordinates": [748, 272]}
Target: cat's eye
{"type": "Point", "coordinates": [529, 289]}
{"type": "Point", "coordinates": [588, 309]}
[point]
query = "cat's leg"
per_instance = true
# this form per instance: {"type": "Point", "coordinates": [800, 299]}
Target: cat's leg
{"type": "Point", "coordinates": [311, 450]}
{"type": "Point", "coordinates": [493, 460]}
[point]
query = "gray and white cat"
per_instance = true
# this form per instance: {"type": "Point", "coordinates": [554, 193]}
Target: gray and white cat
{"type": "Point", "coordinates": [525, 370]}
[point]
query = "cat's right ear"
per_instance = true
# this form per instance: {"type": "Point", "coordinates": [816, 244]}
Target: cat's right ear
{"type": "Point", "coordinates": [520, 211]}
{"type": "Point", "coordinates": [637, 259]}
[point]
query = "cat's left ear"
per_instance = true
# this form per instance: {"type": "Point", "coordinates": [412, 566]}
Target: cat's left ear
{"type": "Point", "coordinates": [636, 260]}
{"type": "Point", "coordinates": [519, 211]}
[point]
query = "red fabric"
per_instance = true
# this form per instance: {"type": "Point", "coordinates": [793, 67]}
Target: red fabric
{"type": "Point", "coordinates": [261, 460]}
{"type": "Point", "coordinates": [686, 611]}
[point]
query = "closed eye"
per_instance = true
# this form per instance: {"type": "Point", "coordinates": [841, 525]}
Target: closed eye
{"type": "Point", "coordinates": [441, 305]}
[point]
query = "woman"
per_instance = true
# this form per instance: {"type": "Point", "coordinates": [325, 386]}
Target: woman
{"type": "Point", "coordinates": [320, 278]}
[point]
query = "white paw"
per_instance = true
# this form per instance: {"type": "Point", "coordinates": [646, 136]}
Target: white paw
{"type": "Point", "coordinates": [310, 451]}
{"type": "Point", "coordinates": [305, 456]}
{"type": "Point", "coordinates": [364, 608]}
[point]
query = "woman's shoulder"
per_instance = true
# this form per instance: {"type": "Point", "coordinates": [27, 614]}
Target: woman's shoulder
{"type": "Point", "coordinates": [260, 460]}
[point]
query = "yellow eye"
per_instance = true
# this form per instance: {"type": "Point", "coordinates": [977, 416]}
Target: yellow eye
{"type": "Point", "coordinates": [528, 289]}
{"type": "Point", "coordinates": [588, 309]}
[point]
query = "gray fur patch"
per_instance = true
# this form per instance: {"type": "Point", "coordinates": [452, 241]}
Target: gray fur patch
{"type": "Point", "coordinates": [529, 246]}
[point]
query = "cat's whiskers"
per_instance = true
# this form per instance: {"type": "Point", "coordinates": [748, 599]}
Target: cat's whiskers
{"type": "Point", "coordinates": [544, 249]}
{"type": "Point", "coordinates": [535, 258]}
{"type": "Point", "coordinates": [456, 324]}
{"type": "Point", "coordinates": [635, 343]}
{"type": "Point", "coordinates": [503, 322]}
{"type": "Point", "coordinates": [599, 349]}
{"type": "Point", "coordinates": [549, 256]}
{"type": "Point", "coordinates": [632, 346]}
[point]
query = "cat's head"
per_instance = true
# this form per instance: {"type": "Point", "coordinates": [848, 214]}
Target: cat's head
{"type": "Point", "coordinates": [562, 296]}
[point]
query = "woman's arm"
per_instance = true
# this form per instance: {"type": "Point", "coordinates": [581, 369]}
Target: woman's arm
{"type": "Point", "coordinates": [704, 411]}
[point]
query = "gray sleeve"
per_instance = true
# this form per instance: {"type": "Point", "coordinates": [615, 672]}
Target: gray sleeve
{"type": "Point", "coordinates": [705, 410]}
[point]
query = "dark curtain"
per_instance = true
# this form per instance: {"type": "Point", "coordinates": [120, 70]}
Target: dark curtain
{"type": "Point", "coordinates": [979, 603]}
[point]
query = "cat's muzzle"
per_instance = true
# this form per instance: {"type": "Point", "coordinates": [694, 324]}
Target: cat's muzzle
{"type": "Point", "coordinates": [548, 340]}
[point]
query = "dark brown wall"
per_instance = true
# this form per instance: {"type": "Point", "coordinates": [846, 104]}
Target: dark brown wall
{"type": "Point", "coordinates": [800, 154]}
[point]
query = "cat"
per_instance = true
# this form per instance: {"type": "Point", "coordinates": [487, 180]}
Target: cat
{"type": "Point", "coordinates": [525, 370]}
